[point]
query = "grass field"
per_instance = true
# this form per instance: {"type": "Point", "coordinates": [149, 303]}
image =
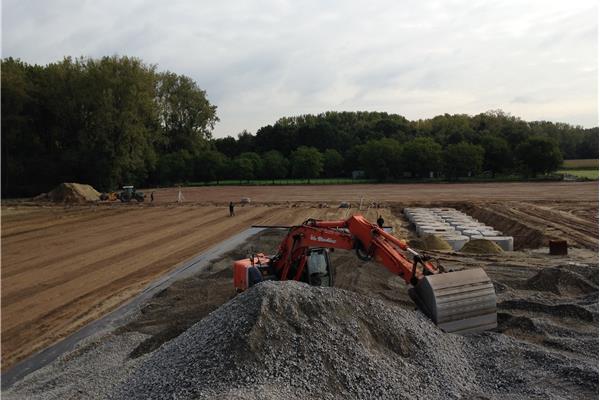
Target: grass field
{"type": "Point", "coordinates": [581, 173]}
{"type": "Point", "coordinates": [581, 164]}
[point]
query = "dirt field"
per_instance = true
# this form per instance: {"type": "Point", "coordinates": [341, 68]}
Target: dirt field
{"type": "Point", "coordinates": [521, 191]}
{"type": "Point", "coordinates": [66, 266]}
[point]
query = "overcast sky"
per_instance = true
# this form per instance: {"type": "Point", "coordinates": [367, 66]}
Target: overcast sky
{"type": "Point", "coordinates": [261, 60]}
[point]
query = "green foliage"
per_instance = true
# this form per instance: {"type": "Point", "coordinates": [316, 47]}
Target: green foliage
{"type": "Point", "coordinates": [381, 159]}
{"type": "Point", "coordinates": [185, 116]}
{"type": "Point", "coordinates": [175, 167]}
{"type": "Point", "coordinates": [275, 166]}
{"type": "Point", "coordinates": [538, 154]}
{"type": "Point", "coordinates": [498, 155]}
{"type": "Point", "coordinates": [333, 163]}
{"type": "Point", "coordinates": [246, 166]}
{"type": "Point", "coordinates": [116, 120]}
{"type": "Point", "coordinates": [209, 165]}
{"type": "Point", "coordinates": [422, 156]}
{"type": "Point", "coordinates": [307, 163]}
{"type": "Point", "coordinates": [462, 159]}
{"type": "Point", "coordinates": [107, 122]}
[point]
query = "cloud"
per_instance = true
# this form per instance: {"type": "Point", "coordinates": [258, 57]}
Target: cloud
{"type": "Point", "coordinates": [262, 60]}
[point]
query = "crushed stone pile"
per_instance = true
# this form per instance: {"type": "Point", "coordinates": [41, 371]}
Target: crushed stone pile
{"type": "Point", "coordinates": [288, 340]}
{"type": "Point", "coordinates": [73, 193]}
{"type": "Point", "coordinates": [433, 242]}
{"type": "Point", "coordinates": [481, 246]}
{"type": "Point", "coordinates": [561, 281]}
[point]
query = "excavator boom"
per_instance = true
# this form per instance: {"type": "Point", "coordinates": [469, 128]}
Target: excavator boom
{"type": "Point", "coordinates": [462, 301]}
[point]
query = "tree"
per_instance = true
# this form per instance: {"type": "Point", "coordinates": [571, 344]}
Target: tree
{"type": "Point", "coordinates": [176, 167]}
{"type": "Point", "coordinates": [539, 155]}
{"type": "Point", "coordinates": [462, 159]}
{"type": "Point", "coordinates": [242, 168]}
{"type": "Point", "coordinates": [275, 166]}
{"type": "Point", "coordinates": [185, 115]}
{"type": "Point", "coordinates": [498, 156]}
{"type": "Point", "coordinates": [228, 146]}
{"type": "Point", "coordinates": [209, 166]}
{"type": "Point", "coordinates": [333, 163]}
{"type": "Point", "coordinates": [422, 156]}
{"type": "Point", "coordinates": [381, 159]}
{"type": "Point", "coordinates": [307, 163]}
{"type": "Point", "coordinates": [255, 161]}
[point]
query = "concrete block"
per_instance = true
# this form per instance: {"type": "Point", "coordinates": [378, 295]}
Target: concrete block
{"type": "Point", "coordinates": [471, 232]}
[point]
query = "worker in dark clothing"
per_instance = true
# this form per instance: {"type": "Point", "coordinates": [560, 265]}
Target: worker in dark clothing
{"type": "Point", "coordinates": [152, 197]}
{"type": "Point", "coordinates": [380, 221]}
{"type": "Point", "coordinates": [231, 211]}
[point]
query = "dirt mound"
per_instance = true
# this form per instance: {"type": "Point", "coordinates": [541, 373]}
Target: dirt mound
{"type": "Point", "coordinates": [73, 193]}
{"type": "Point", "coordinates": [417, 244]}
{"type": "Point", "coordinates": [287, 340]}
{"type": "Point", "coordinates": [560, 281]}
{"type": "Point", "coordinates": [481, 246]}
{"type": "Point", "coordinates": [433, 242]}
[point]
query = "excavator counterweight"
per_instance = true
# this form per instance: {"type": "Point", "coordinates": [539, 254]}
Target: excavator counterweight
{"type": "Point", "coordinates": [459, 301]}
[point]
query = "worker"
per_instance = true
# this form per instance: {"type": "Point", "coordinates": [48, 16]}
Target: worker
{"type": "Point", "coordinates": [152, 197]}
{"type": "Point", "coordinates": [179, 196]}
{"type": "Point", "coordinates": [380, 221]}
{"type": "Point", "coordinates": [231, 211]}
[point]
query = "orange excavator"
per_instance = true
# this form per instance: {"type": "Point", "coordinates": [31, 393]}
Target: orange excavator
{"type": "Point", "coordinates": [457, 301]}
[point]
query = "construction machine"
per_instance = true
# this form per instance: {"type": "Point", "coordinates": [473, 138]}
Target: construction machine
{"type": "Point", "coordinates": [457, 301]}
{"type": "Point", "coordinates": [129, 193]}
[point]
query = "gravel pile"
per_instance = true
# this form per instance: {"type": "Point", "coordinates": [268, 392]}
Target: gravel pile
{"type": "Point", "coordinates": [561, 281]}
{"type": "Point", "coordinates": [288, 340]}
{"type": "Point", "coordinates": [89, 372]}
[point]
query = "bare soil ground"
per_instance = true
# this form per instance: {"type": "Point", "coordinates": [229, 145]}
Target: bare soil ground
{"type": "Point", "coordinates": [434, 192]}
{"type": "Point", "coordinates": [63, 267]}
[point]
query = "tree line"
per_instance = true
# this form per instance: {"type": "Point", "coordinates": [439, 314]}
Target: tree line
{"type": "Point", "coordinates": [106, 122]}
{"type": "Point", "coordinates": [117, 120]}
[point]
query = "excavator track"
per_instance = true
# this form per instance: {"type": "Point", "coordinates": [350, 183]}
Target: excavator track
{"type": "Point", "coordinates": [460, 302]}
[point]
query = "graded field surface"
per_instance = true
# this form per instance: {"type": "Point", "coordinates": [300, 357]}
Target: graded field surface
{"type": "Point", "coordinates": [433, 192]}
{"type": "Point", "coordinates": [63, 267]}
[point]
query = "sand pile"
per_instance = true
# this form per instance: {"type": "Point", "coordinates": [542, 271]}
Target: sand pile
{"type": "Point", "coordinates": [73, 193]}
{"type": "Point", "coordinates": [433, 242]}
{"type": "Point", "coordinates": [288, 340]}
{"type": "Point", "coordinates": [481, 246]}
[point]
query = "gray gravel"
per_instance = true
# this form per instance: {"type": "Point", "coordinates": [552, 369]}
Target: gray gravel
{"type": "Point", "coordinates": [89, 372]}
{"type": "Point", "coordinates": [288, 340]}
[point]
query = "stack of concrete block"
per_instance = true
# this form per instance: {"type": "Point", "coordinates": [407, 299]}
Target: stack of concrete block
{"type": "Point", "coordinates": [454, 226]}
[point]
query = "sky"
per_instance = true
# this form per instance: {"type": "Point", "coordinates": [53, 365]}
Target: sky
{"type": "Point", "coordinates": [262, 60]}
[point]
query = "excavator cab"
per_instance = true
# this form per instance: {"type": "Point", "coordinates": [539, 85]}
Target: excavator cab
{"type": "Point", "coordinates": [318, 269]}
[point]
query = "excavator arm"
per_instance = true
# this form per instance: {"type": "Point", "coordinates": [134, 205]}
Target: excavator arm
{"type": "Point", "coordinates": [462, 301]}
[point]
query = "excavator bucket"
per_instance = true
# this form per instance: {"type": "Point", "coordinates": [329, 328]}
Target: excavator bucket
{"type": "Point", "coordinates": [458, 302]}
